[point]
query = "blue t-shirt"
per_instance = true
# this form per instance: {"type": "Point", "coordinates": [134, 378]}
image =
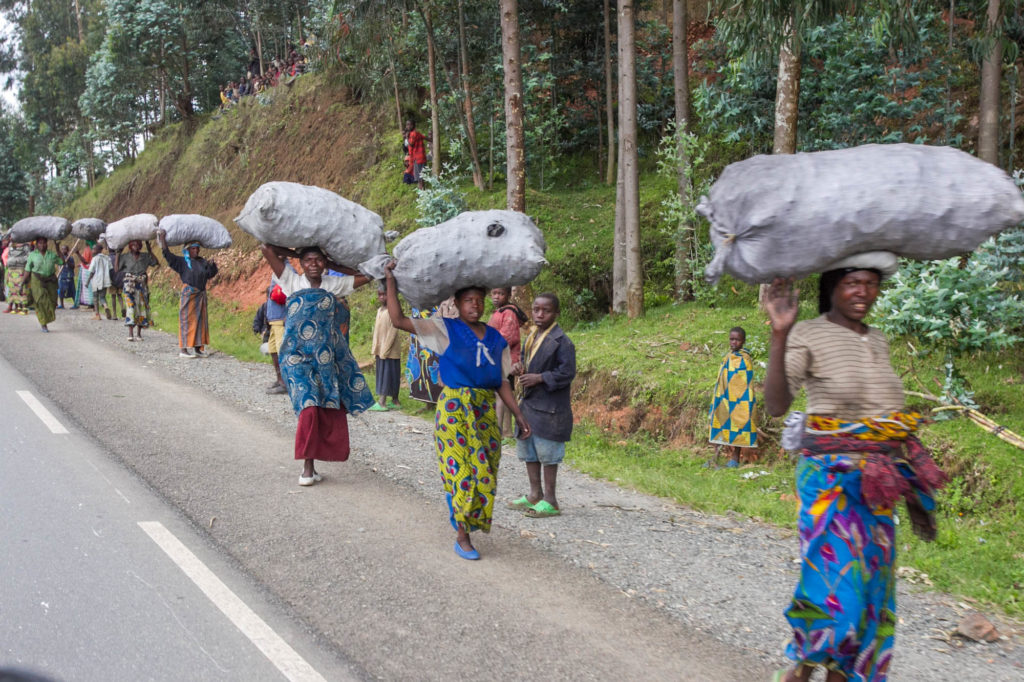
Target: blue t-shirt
{"type": "Point", "coordinates": [470, 362]}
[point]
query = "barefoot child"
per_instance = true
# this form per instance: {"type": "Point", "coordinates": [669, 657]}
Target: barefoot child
{"type": "Point", "coordinates": [732, 406]}
{"type": "Point", "coordinates": [545, 375]}
{"type": "Point", "coordinates": [387, 354]}
{"type": "Point", "coordinates": [474, 365]}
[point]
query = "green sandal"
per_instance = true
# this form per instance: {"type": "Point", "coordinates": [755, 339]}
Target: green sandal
{"type": "Point", "coordinates": [521, 504]}
{"type": "Point", "coordinates": [542, 509]}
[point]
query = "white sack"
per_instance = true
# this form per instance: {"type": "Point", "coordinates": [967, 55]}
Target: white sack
{"type": "Point", "coordinates": [190, 227]}
{"type": "Point", "coordinates": [88, 228]}
{"type": "Point", "coordinates": [119, 233]}
{"type": "Point", "coordinates": [53, 228]}
{"type": "Point", "coordinates": [789, 215]}
{"type": "Point", "coordinates": [483, 248]}
{"type": "Point", "coordinates": [293, 216]}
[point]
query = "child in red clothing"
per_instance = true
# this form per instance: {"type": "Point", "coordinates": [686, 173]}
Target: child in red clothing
{"type": "Point", "coordinates": [506, 318]}
{"type": "Point", "coordinates": [414, 144]}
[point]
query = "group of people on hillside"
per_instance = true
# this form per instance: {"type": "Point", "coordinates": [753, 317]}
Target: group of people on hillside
{"type": "Point", "coordinates": [257, 80]}
{"type": "Point", "coordinates": [40, 276]}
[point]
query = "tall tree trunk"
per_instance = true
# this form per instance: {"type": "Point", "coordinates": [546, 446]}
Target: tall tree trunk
{"type": "Point", "coordinates": [787, 94]}
{"type": "Point", "coordinates": [259, 50]}
{"type": "Point", "coordinates": [630, 170]}
{"type": "Point", "coordinates": [78, 17]}
{"type": "Point", "coordinates": [619, 244]}
{"type": "Point", "coordinates": [515, 147]}
{"type": "Point", "coordinates": [394, 82]}
{"type": "Point", "coordinates": [435, 121]}
{"type": "Point", "coordinates": [609, 85]}
{"type": "Point", "coordinates": [681, 72]}
{"type": "Point", "coordinates": [467, 102]}
{"type": "Point", "coordinates": [991, 75]}
{"type": "Point", "coordinates": [185, 100]}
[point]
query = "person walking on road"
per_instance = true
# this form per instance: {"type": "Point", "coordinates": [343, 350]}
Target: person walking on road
{"type": "Point", "coordinates": [135, 266]}
{"type": "Point", "coordinates": [66, 278]}
{"type": "Point", "coordinates": [41, 271]}
{"type": "Point", "coordinates": [195, 273]}
{"type": "Point", "coordinates": [275, 316]}
{"type": "Point", "coordinates": [858, 456]}
{"type": "Point", "coordinates": [99, 280]}
{"type": "Point", "coordinates": [323, 379]}
{"type": "Point", "coordinates": [475, 363]}
{"type": "Point", "coordinates": [15, 278]}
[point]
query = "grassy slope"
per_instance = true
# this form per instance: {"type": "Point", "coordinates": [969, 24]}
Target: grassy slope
{"type": "Point", "coordinates": [643, 386]}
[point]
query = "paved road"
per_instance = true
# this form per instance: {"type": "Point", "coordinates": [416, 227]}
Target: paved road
{"type": "Point", "coordinates": [101, 580]}
{"type": "Point", "coordinates": [364, 563]}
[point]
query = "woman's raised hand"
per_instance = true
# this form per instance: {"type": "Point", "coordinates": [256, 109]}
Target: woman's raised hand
{"type": "Point", "coordinates": [782, 304]}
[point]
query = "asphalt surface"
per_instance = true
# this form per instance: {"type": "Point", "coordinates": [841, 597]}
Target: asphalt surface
{"type": "Point", "coordinates": [621, 585]}
{"type": "Point", "coordinates": [87, 594]}
{"type": "Point", "coordinates": [365, 563]}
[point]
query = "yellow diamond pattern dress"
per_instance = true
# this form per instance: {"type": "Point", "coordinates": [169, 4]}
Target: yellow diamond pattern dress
{"type": "Point", "coordinates": [732, 413]}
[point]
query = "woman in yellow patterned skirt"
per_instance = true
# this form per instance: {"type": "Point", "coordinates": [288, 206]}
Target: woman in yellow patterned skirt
{"type": "Point", "coordinates": [474, 363]}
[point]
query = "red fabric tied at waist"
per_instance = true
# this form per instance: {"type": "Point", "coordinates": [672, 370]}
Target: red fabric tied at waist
{"type": "Point", "coordinates": [892, 469]}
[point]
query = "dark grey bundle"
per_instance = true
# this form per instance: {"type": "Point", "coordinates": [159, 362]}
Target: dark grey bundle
{"type": "Point", "coordinates": [88, 228]}
{"type": "Point", "coordinates": [53, 228]}
{"type": "Point", "coordinates": [790, 215]}
{"type": "Point", "coordinates": [185, 228]}
{"type": "Point", "coordinates": [482, 248]}
{"type": "Point", "coordinates": [293, 216]}
{"type": "Point", "coordinates": [120, 232]}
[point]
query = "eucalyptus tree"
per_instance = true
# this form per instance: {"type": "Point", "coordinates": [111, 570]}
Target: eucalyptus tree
{"type": "Point", "coordinates": [763, 27]}
{"type": "Point", "coordinates": [629, 159]}
{"type": "Point", "coordinates": [515, 146]}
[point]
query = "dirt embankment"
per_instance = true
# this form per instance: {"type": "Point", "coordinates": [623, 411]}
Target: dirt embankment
{"type": "Point", "coordinates": [307, 133]}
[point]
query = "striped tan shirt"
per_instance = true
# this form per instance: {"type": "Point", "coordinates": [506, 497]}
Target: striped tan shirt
{"type": "Point", "coordinates": [847, 375]}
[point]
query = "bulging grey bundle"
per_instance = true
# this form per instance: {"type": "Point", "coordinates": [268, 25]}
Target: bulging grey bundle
{"type": "Point", "coordinates": [293, 216]}
{"type": "Point", "coordinates": [185, 228]}
{"type": "Point", "coordinates": [789, 215]}
{"type": "Point", "coordinates": [52, 227]}
{"type": "Point", "coordinates": [88, 228]}
{"type": "Point", "coordinates": [142, 226]}
{"type": "Point", "coordinates": [484, 248]}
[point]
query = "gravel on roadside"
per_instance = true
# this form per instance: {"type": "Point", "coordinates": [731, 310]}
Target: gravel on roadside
{"type": "Point", "coordinates": [723, 575]}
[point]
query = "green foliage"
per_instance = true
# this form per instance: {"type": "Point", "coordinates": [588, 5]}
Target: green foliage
{"type": "Point", "coordinates": [13, 191]}
{"type": "Point", "coordinates": [855, 89]}
{"type": "Point", "coordinates": [958, 307]}
{"type": "Point", "coordinates": [440, 200]}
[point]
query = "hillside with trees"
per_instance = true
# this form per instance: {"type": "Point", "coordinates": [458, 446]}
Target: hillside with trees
{"type": "Point", "coordinates": [605, 121]}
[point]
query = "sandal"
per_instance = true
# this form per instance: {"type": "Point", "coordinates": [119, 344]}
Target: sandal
{"type": "Point", "coordinates": [521, 504]}
{"type": "Point", "coordinates": [542, 509]}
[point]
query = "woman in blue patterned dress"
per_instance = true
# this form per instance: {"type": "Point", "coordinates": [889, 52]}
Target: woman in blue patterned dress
{"type": "Point", "coordinates": [474, 363]}
{"type": "Point", "coordinates": [323, 379]}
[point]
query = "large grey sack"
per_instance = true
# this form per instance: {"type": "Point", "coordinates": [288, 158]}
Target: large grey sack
{"type": "Point", "coordinates": [52, 227]}
{"type": "Point", "coordinates": [789, 215]}
{"type": "Point", "coordinates": [120, 232]}
{"type": "Point", "coordinates": [185, 228]}
{"type": "Point", "coordinates": [293, 216]}
{"type": "Point", "coordinates": [88, 228]}
{"type": "Point", "coordinates": [482, 248]}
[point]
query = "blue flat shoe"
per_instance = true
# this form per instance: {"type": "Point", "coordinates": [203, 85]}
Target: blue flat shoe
{"type": "Point", "coordinates": [471, 555]}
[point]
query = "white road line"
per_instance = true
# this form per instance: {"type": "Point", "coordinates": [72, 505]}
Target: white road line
{"type": "Point", "coordinates": [290, 663]}
{"type": "Point", "coordinates": [41, 412]}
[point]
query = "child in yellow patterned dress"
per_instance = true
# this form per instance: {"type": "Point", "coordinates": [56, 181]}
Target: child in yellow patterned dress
{"type": "Point", "coordinates": [732, 413]}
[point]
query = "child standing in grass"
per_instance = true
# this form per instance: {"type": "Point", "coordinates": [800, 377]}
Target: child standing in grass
{"type": "Point", "coordinates": [545, 373]}
{"type": "Point", "coordinates": [387, 355]}
{"type": "Point", "coordinates": [732, 406]}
